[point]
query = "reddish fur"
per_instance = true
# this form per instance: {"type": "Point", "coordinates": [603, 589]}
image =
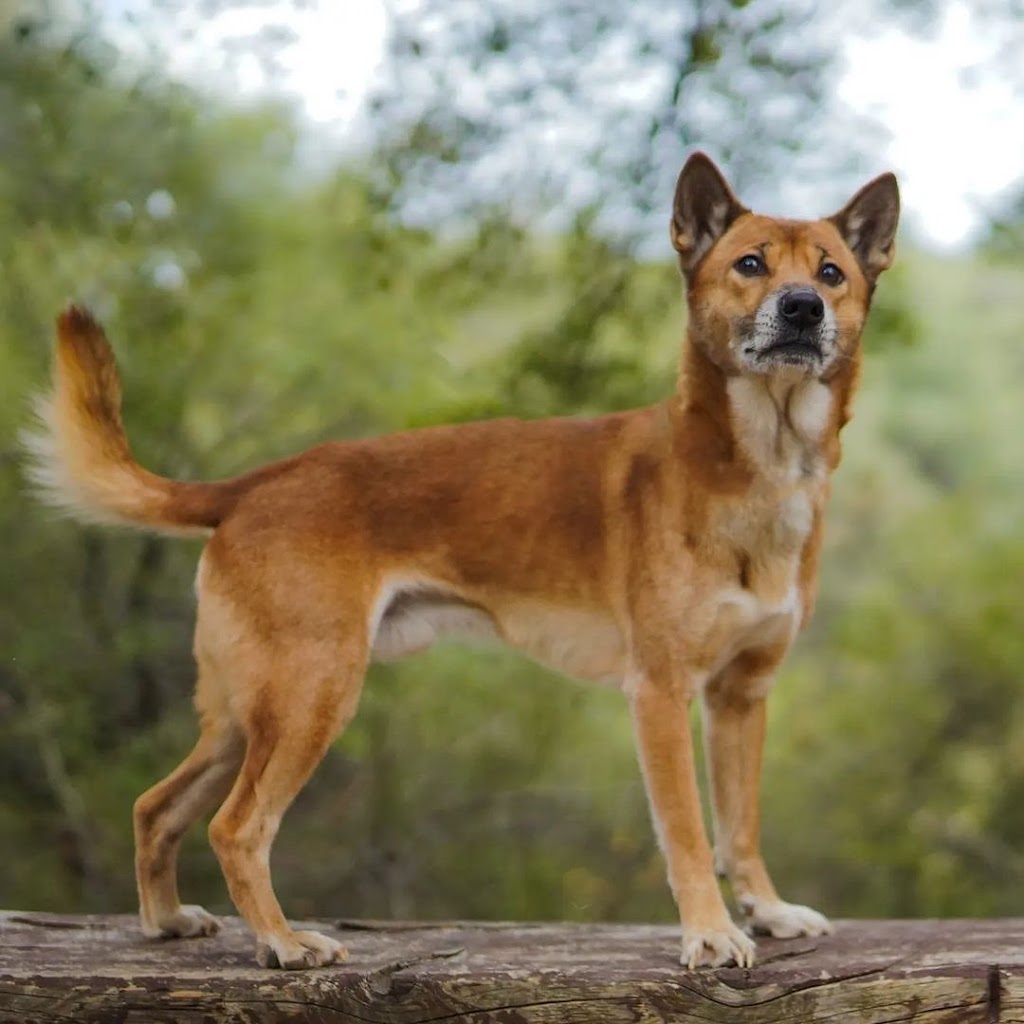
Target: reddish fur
{"type": "Point", "coordinates": [654, 528]}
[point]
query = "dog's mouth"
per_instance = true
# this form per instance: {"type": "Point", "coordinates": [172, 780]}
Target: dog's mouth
{"type": "Point", "coordinates": [795, 351]}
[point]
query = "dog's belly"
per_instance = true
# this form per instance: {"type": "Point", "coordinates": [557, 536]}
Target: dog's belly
{"type": "Point", "coordinates": [412, 618]}
{"type": "Point", "coordinates": [583, 643]}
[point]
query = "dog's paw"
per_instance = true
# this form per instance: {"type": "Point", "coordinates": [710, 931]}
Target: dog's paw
{"type": "Point", "coordinates": [783, 920]}
{"type": "Point", "coordinates": [716, 947]}
{"type": "Point", "coordinates": [299, 951]}
{"type": "Point", "coordinates": [185, 923]}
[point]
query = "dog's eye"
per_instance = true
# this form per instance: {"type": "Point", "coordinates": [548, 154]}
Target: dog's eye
{"type": "Point", "coordinates": [750, 265]}
{"type": "Point", "coordinates": [830, 274]}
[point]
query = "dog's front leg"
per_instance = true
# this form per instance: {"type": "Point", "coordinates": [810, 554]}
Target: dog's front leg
{"type": "Point", "coordinates": [661, 715]}
{"type": "Point", "coordinates": [734, 728]}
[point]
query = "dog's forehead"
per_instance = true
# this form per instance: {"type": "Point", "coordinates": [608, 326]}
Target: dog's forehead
{"type": "Point", "coordinates": [794, 239]}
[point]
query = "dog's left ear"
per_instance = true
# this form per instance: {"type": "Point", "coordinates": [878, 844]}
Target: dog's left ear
{"type": "Point", "coordinates": [868, 224]}
{"type": "Point", "coordinates": [704, 207]}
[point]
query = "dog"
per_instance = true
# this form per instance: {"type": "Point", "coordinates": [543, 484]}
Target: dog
{"type": "Point", "coordinates": [671, 551]}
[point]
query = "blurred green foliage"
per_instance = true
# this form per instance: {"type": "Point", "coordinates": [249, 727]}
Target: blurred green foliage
{"type": "Point", "coordinates": [256, 310]}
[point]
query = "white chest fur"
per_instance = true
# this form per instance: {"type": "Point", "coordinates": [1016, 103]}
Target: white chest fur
{"type": "Point", "coordinates": [780, 424]}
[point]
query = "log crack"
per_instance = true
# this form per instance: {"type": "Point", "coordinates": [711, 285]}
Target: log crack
{"type": "Point", "coordinates": [994, 995]}
{"type": "Point", "coordinates": [382, 979]}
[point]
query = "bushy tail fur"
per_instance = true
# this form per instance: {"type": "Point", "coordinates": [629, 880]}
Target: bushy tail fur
{"type": "Point", "coordinates": [80, 460]}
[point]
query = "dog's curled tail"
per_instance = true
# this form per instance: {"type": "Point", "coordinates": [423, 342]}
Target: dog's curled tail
{"type": "Point", "coordinates": [79, 458]}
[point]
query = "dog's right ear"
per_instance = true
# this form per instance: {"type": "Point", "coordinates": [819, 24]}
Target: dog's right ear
{"type": "Point", "coordinates": [703, 208]}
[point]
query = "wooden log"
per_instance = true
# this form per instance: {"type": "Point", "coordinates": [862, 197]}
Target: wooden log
{"type": "Point", "coordinates": [98, 970]}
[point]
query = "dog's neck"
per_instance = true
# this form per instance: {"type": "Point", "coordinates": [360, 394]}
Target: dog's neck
{"type": "Point", "coordinates": [736, 429]}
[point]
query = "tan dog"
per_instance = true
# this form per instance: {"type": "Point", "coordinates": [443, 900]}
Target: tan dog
{"type": "Point", "coordinates": [671, 551]}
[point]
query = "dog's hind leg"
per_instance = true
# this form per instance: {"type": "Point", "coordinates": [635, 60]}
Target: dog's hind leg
{"type": "Point", "coordinates": [300, 701]}
{"type": "Point", "coordinates": [162, 816]}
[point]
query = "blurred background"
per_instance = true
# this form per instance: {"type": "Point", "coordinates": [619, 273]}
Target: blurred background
{"type": "Point", "coordinates": [307, 220]}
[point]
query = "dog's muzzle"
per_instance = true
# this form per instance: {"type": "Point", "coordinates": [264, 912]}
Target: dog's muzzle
{"type": "Point", "coordinates": [792, 328]}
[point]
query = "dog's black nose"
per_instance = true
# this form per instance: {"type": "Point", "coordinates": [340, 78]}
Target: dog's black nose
{"type": "Point", "coordinates": [802, 307]}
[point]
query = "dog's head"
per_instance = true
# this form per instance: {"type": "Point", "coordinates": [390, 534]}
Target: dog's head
{"type": "Point", "coordinates": [780, 297]}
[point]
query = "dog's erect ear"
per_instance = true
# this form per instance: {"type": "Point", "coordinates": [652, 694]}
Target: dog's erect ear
{"type": "Point", "coordinates": [703, 208]}
{"type": "Point", "coordinates": [868, 224]}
